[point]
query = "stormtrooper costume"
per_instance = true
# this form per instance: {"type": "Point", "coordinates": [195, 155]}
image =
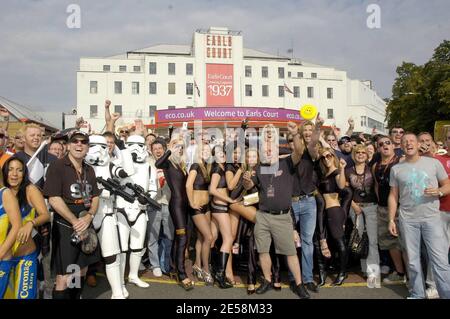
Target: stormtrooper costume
{"type": "Point", "coordinates": [105, 220]}
{"type": "Point", "coordinates": [132, 217]}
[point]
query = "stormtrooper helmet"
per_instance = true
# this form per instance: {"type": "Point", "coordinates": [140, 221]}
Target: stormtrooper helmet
{"type": "Point", "coordinates": [98, 151]}
{"type": "Point", "coordinates": [136, 145]}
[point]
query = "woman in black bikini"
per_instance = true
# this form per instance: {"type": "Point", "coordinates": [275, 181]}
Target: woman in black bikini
{"type": "Point", "coordinates": [197, 191]}
{"type": "Point", "coordinates": [174, 168]}
{"type": "Point", "coordinates": [331, 182]}
{"type": "Point", "coordinates": [221, 218]}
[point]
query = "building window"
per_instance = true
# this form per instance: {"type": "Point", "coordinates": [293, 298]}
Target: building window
{"type": "Point", "coordinates": [171, 69]}
{"type": "Point", "coordinates": [137, 68]}
{"type": "Point", "coordinates": [264, 72]}
{"type": "Point", "coordinates": [363, 121]}
{"type": "Point", "coordinates": [248, 90]}
{"type": "Point", "coordinates": [265, 90]}
{"type": "Point", "coordinates": [106, 68]}
{"type": "Point", "coordinates": [289, 74]}
{"type": "Point", "coordinates": [122, 68]}
{"type": "Point", "coordinates": [330, 114]}
{"type": "Point", "coordinates": [248, 71]}
{"type": "Point", "coordinates": [152, 87]}
{"type": "Point", "coordinates": [375, 124]}
{"type": "Point", "coordinates": [329, 93]}
{"type": "Point", "coordinates": [152, 68]}
{"type": "Point", "coordinates": [313, 75]}
{"type": "Point", "coordinates": [118, 109]}
{"type": "Point", "coordinates": [93, 110]}
{"type": "Point", "coordinates": [171, 88]}
{"type": "Point", "coordinates": [152, 110]}
{"type": "Point", "coordinates": [281, 73]}
{"type": "Point", "coordinates": [189, 89]}
{"type": "Point", "coordinates": [189, 69]}
{"type": "Point", "coordinates": [117, 87]}
{"type": "Point", "coordinates": [171, 107]}
{"type": "Point", "coordinates": [296, 91]}
{"type": "Point", "coordinates": [93, 87]}
{"type": "Point", "coordinates": [310, 92]}
{"type": "Point", "coordinates": [135, 87]}
{"type": "Point", "coordinates": [281, 91]}
{"type": "Point", "coordinates": [299, 74]}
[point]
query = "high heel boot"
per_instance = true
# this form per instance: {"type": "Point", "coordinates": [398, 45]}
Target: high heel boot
{"type": "Point", "coordinates": [342, 251]}
{"type": "Point", "coordinates": [219, 274]}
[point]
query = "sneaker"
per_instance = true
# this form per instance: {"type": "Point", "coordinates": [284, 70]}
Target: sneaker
{"type": "Point", "coordinates": [394, 278]}
{"type": "Point", "coordinates": [385, 270]}
{"type": "Point", "coordinates": [432, 293]}
{"type": "Point", "coordinates": [373, 282]}
{"type": "Point", "coordinates": [157, 272]}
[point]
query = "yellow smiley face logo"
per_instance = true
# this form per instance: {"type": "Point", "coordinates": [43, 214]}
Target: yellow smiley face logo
{"type": "Point", "coordinates": [308, 111]}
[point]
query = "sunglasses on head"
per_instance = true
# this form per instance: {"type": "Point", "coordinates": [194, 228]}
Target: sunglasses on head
{"type": "Point", "coordinates": [381, 144]}
{"type": "Point", "coordinates": [398, 131]}
{"type": "Point", "coordinates": [78, 140]}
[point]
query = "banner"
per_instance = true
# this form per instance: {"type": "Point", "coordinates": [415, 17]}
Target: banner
{"type": "Point", "coordinates": [219, 85]}
{"type": "Point", "coordinates": [227, 113]}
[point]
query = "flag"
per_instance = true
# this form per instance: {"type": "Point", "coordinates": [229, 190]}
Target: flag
{"type": "Point", "coordinates": [196, 87]}
{"type": "Point", "coordinates": [287, 89]}
{"type": "Point", "coordinates": [38, 163]}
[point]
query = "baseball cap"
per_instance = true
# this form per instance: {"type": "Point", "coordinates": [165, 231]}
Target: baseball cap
{"type": "Point", "coordinates": [344, 139]}
{"type": "Point", "coordinates": [80, 133]}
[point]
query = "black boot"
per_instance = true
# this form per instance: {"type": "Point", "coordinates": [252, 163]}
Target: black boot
{"type": "Point", "coordinates": [220, 271]}
{"type": "Point", "coordinates": [322, 277]}
{"type": "Point", "coordinates": [342, 251]}
{"type": "Point", "coordinates": [213, 260]}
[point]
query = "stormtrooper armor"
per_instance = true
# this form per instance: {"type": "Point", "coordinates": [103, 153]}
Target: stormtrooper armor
{"type": "Point", "coordinates": [132, 217]}
{"type": "Point", "coordinates": [105, 220]}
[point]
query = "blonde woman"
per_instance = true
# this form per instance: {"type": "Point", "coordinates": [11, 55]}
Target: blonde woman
{"type": "Point", "coordinates": [331, 183]}
{"type": "Point", "coordinates": [174, 167]}
{"type": "Point", "coordinates": [197, 186]}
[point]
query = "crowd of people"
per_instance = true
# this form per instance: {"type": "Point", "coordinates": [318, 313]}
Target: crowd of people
{"type": "Point", "coordinates": [128, 199]}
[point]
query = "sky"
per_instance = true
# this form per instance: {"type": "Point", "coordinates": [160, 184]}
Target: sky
{"type": "Point", "coordinates": [39, 54]}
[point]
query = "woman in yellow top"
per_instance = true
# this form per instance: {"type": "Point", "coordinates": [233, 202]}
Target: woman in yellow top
{"type": "Point", "coordinates": [15, 177]}
{"type": "Point", "coordinates": [9, 227]}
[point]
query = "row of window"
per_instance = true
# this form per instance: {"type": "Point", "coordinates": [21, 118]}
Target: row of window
{"type": "Point", "coordinates": [152, 89]}
{"type": "Point", "coordinates": [152, 68]}
{"type": "Point", "coordinates": [370, 122]}
{"type": "Point", "coordinates": [171, 70]}
{"type": "Point", "coordinates": [282, 89]}
{"type": "Point", "coordinates": [265, 73]}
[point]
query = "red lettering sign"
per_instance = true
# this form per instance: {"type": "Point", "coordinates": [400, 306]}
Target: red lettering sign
{"type": "Point", "coordinates": [219, 85]}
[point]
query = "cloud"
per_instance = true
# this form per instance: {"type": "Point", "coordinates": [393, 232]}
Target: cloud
{"type": "Point", "coordinates": [39, 55]}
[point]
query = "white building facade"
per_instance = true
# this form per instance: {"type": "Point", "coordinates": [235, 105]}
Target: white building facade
{"type": "Point", "coordinates": [217, 80]}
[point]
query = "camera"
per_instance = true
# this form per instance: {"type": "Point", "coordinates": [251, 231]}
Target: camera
{"type": "Point", "coordinates": [75, 239]}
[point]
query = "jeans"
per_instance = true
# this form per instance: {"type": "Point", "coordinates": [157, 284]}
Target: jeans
{"type": "Point", "coordinates": [305, 212]}
{"type": "Point", "coordinates": [164, 252]}
{"type": "Point", "coordinates": [445, 216]}
{"type": "Point", "coordinates": [432, 232]}
{"type": "Point", "coordinates": [371, 265]}
{"type": "Point", "coordinates": [156, 219]}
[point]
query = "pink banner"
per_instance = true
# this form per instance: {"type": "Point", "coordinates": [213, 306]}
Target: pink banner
{"type": "Point", "coordinates": [227, 113]}
{"type": "Point", "coordinates": [219, 84]}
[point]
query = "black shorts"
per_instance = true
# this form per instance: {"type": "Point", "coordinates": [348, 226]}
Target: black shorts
{"type": "Point", "coordinates": [64, 253]}
{"type": "Point", "coordinates": [219, 208]}
{"type": "Point", "coordinates": [203, 210]}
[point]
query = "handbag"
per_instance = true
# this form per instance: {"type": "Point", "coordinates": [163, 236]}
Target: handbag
{"type": "Point", "coordinates": [359, 244]}
{"type": "Point", "coordinates": [251, 199]}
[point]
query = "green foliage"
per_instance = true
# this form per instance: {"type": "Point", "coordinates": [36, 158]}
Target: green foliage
{"type": "Point", "coordinates": [421, 94]}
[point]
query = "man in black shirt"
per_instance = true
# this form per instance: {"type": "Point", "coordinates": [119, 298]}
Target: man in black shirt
{"type": "Point", "coordinates": [274, 179]}
{"type": "Point", "coordinates": [71, 188]}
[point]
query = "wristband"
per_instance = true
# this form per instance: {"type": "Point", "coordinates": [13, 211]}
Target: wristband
{"type": "Point", "coordinates": [33, 222]}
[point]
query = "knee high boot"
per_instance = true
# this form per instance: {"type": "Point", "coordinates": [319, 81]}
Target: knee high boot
{"type": "Point", "coordinates": [220, 271]}
{"type": "Point", "coordinates": [343, 258]}
{"type": "Point", "coordinates": [321, 263]}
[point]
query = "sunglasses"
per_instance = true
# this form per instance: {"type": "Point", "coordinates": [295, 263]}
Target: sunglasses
{"type": "Point", "coordinates": [2, 135]}
{"type": "Point", "coordinates": [328, 156]}
{"type": "Point", "coordinates": [82, 141]}
{"type": "Point", "coordinates": [381, 144]}
{"type": "Point", "coordinates": [17, 137]}
{"type": "Point", "coordinates": [398, 132]}
{"type": "Point", "coordinates": [360, 152]}
{"type": "Point", "coordinates": [122, 131]}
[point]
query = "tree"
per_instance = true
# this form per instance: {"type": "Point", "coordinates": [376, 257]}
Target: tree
{"type": "Point", "coordinates": [421, 94]}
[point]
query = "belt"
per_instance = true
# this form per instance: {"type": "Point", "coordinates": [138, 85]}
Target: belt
{"type": "Point", "coordinates": [277, 212]}
{"type": "Point", "coordinates": [365, 204]}
{"type": "Point", "coordinates": [301, 197]}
